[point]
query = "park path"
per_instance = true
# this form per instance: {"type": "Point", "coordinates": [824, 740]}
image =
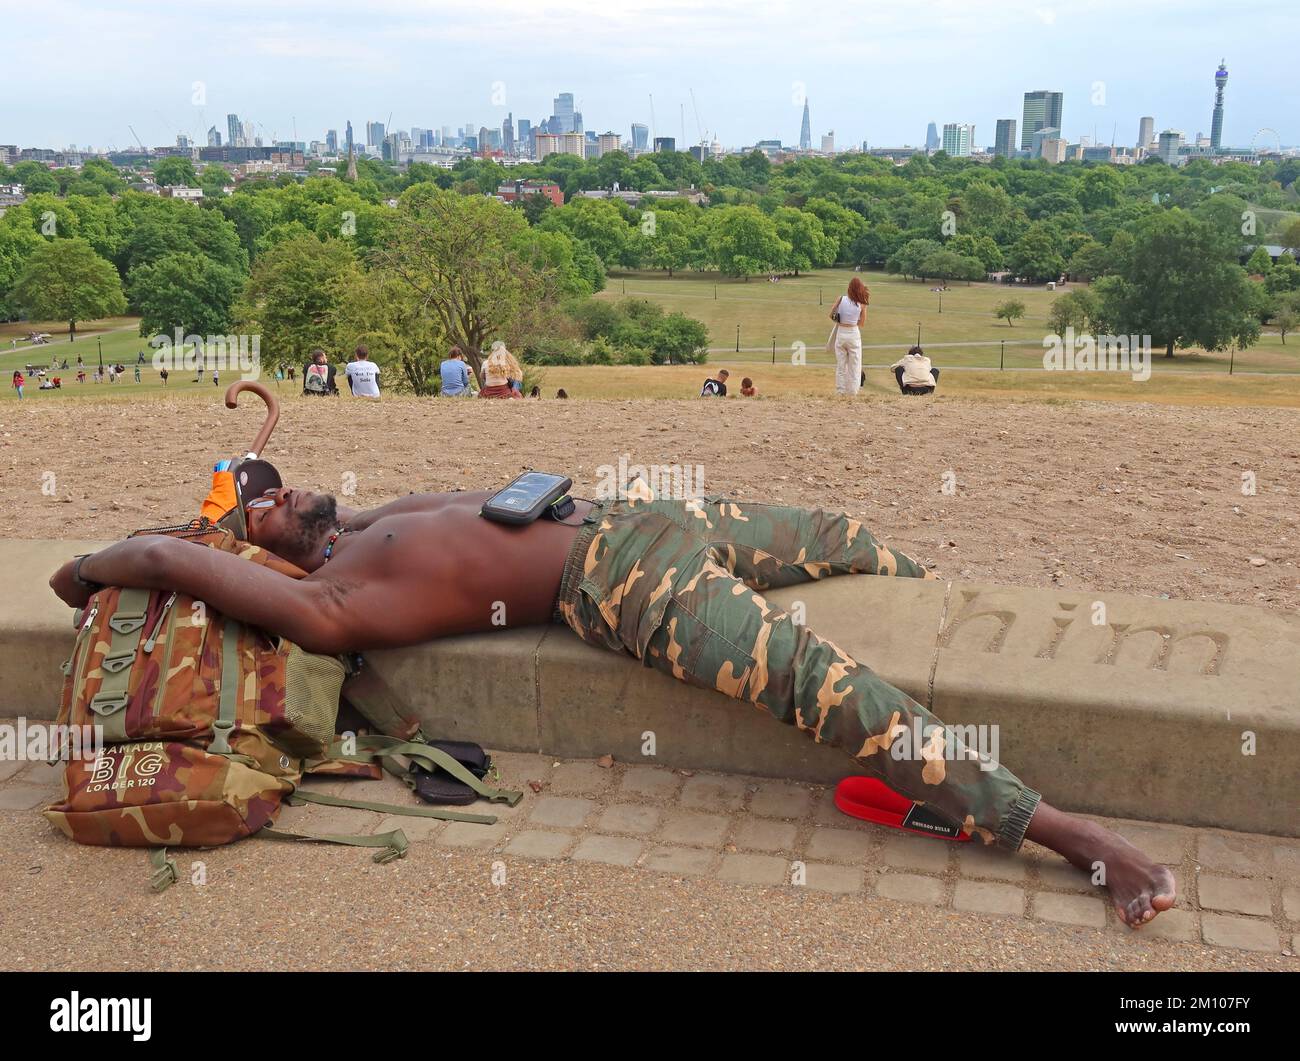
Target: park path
{"type": "Point", "coordinates": [631, 866]}
{"type": "Point", "coordinates": [68, 342]}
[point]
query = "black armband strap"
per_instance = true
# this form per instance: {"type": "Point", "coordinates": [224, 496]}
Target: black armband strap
{"type": "Point", "coordinates": [84, 583]}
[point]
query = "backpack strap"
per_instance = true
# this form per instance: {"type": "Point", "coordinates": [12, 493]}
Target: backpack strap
{"type": "Point", "coordinates": [127, 626]}
{"type": "Point", "coordinates": [394, 843]}
{"type": "Point", "coordinates": [431, 758]}
{"type": "Point", "coordinates": [224, 723]}
{"type": "Point", "coordinates": [299, 797]}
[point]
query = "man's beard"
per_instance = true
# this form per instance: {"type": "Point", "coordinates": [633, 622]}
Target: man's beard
{"type": "Point", "coordinates": [314, 523]}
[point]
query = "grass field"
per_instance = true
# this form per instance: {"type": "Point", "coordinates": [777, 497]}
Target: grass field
{"type": "Point", "coordinates": [796, 310]}
{"type": "Point", "coordinates": [965, 339]}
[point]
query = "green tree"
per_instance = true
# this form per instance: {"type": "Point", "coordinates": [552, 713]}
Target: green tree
{"type": "Point", "coordinates": [1260, 262]}
{"type": "Point", "coordinates": [35, 178]}
{"type": "Point", "coordinates": [186, 291]}
{"type": "Point", "coordinates": [945, 264]}
{"type": "Point", "coordinates": [1010, 310]}
{"type": "Point", "coordinates": [1286, 314]}
{"type": "Point", "coordinates": [291, 298]}
{"type": "Point", "coordinates": [66, 280]}
{"type": "Point", "coordinates": [1180, 283]}
{"type": "Point", "coordinates": [744, 241]}
{"type": "Point", "coordinates": [1090, 261]}
{"type": "Point", "coordinates": [810, 247]}
{"type": "Point", "coordinates": [471, 262]}
{"type": "Point", "coordinates": [1079, 309]}
{"type": "Point", "coordinates": [1037, 255]}
{"type": "Point", "coordinates": [174, 170]}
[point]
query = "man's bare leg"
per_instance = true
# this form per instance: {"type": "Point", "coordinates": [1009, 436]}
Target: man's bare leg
{"type": "Point", "coordinates": [1138, 887]}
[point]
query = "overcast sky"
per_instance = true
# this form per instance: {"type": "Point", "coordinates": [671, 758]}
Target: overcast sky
{"type": "Point", "coordinates": [81, 71]}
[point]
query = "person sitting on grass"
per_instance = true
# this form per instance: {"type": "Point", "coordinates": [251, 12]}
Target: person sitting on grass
{"type": "Point", "coordinates": [318, 375]}
{"type": "Point", "coordinates": [496, 373]}
{"type": "Point", "coordinates": [455, 375]}
{"type": "Point", "coordinates": [914, 373]}
{"type": "Point", "coordinates": [747, 388]}
{"type": "Point", "coordinates": [676, 584]}
{"type": "Point", "coordinates": [715, 387]}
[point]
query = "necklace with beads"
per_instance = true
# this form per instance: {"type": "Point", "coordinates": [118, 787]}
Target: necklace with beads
{"type": "Point", "coordinates": [329, 542]}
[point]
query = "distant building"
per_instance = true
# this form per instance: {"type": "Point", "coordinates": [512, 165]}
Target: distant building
{"type": "Point", "coordinates": [1004, 141]}
{"type": "Point", "coordinates": [957, 139]}
{"type": "Point", "coordinates": [769, 147]}
{"type": "Point", "coordinates": [665, 143]}
{"type": "Point", "coordinates": [1042, 111]}
{"type": "Point", "coordinates": [805, 130]}
{"type": "Point", "coordinates": [640, 137]}
{"type": "Point", "coordinates": [508, 134]}
{"type": "Point", "coordinates": [560, 144]}
{"type": "Point", "coordinates": [828, 143]}
{"type": "Point", "coordinates": [179, 191]}
{"type": "Point", "coordinates": [931, 137]}
{"type": "Point", "coordinates": [524, 138]}
{"type": "Point", "coordinates": [1216, 126]}
{"type": "Point", "coordinates": [374, 135]}
{"type": "Point", "coordinates": [1039, 138]}
{"type": "Point", "coordinates": [1054, 149]}
{"type": "Point", "coordinates": [214, 136]}
{"type": "Point", "coordinates": [332, 141]}
{"type": "Point", "coordinates": [607, 142]}
{"type": "Point", "coordinates": [240, 155]}
{"type": "Point", "coordinates": [234, 131]}
{"type": "Point", "coordinates": [1168, 149]}
{"type": "Point", "coordinates": [1146, 132]}
{"type": "Point", "coordinates": [519, 190]}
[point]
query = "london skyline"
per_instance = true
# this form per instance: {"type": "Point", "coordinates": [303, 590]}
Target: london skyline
{"type": "Point", "coordinates": [446, 62]}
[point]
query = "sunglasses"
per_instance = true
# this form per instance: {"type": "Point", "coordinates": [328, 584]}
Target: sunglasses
{"type": "Point", "coordinates": [268, 500]}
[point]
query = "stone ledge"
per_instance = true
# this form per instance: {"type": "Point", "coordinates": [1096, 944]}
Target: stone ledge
{"type": "Point", "coordinates": [1140, 715]}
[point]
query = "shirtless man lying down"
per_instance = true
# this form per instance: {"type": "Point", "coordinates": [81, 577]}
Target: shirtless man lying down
{"type": "Point", "coordinates": [677, 584]}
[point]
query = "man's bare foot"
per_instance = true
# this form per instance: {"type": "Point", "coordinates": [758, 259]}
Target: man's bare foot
{"type": "Point", "coordinates": [1138, 887]}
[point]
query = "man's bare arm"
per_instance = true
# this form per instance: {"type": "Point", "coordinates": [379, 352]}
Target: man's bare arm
{"type": "Point", "coordinates": [299, 609]}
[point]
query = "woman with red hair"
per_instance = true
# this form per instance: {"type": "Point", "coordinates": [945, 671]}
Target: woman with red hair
{"type": "Point", "coordinates": [846, 341]}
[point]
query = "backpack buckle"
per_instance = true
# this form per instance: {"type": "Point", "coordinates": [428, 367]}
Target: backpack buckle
{"type": "Point", "coordinates": [108, 703]}
{"type": "Point", "coordinates": [118, 661]}
{"type": "Point", "coordinates": [220, 744]}
{"type": "Point", "coordinates": [127, 622]}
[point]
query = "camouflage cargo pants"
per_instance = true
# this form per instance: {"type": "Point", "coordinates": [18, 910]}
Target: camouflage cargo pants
{"type": "Point", "coordinates": [678, 585]}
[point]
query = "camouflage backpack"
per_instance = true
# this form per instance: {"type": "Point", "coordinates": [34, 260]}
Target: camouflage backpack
{"type": "Point", "coordinates": [209, 724]}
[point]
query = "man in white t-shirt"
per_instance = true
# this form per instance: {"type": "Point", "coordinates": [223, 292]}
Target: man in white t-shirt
{"type": "Point", "coordinates": [363, 375]}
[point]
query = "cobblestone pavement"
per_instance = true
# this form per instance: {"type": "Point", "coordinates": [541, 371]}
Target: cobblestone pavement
{"type": "Point", "coordinates": [737, 840]}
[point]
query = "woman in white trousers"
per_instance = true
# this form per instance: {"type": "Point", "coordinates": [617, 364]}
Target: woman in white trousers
{"type": "Point", "coordinates": [849, 312]}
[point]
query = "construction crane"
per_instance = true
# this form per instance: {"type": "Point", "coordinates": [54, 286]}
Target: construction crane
{"type": "Point", "coordinates": [137, 138]}
{"type": "Point", "coordinates": [699, 129]}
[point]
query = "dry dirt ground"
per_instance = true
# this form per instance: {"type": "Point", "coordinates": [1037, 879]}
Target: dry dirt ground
{"type": "Point", "coordinates": [1137, 498]}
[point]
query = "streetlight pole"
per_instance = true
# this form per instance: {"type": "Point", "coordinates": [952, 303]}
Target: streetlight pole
{"type": "Point", "coordinates": [101, 353]}
{"type": "Point", "coordinates": [737, 338]}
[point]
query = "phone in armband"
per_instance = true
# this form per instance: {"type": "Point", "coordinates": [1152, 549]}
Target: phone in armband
{"type": "Point", "coordinates": [531, 495]}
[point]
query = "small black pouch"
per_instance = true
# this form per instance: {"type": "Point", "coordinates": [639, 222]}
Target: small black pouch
{"type": "Point", "coordinates": [438, 786]}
